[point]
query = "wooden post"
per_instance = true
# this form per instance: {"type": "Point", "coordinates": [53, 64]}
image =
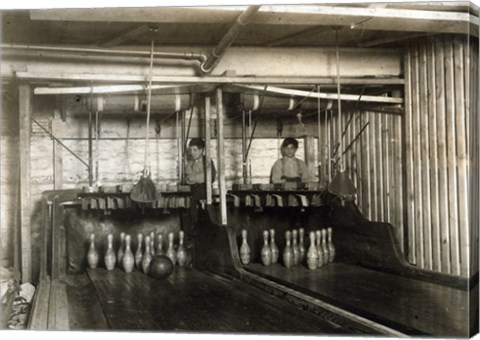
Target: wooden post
{"type": "Point", "coordinates": [221, 159]}
{"type": "Point", "coordinates": [208, 156]}
{"type": "Point", "coordinates": [309, 144]}
{"type": "Point", "coordinates": [25, 111]}
{"type": "Point", "coordinates": [57, 158]}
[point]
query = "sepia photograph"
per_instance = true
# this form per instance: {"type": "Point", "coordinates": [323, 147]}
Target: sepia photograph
{"type": "Point", "coordinates": [300, 168]}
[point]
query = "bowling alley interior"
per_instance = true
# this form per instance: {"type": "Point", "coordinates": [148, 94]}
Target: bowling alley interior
{"type": "Point", "coordinates": [304, 169]}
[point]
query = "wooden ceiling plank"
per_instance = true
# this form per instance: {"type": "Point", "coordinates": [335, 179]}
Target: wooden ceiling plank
{"type": "Point", "coordinates": [117, 78]}
{"type": "Point", "coordinates": [388, 40]}
{"type": "Point", "coordinates": [301, 93]}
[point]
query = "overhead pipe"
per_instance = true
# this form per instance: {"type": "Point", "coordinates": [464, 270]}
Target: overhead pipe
{"type": "Point", "coordinates": [113, 52]}
{"type": "Point", "coordinates": [214, 57]}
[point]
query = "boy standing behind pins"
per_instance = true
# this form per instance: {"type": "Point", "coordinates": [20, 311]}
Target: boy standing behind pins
{"type": "Point", "coordinates": [195, 176]}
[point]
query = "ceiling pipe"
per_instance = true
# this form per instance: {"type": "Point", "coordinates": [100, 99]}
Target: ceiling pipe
{"type": "Point", "coordinates": [217, 53]}
{"type": "Point", "coordinates": [112, 52]}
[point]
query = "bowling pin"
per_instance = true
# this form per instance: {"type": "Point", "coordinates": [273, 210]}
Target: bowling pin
{"type": "Point", "coordinates": [273, 246]}
{"type": "Point", "coordinates": [181, 252]}
{"type": "Point", "coordinates": [138, 253]}
{"type": "Point", "coordinates": [296, 250]}
{"type": "Point", "coordinates": [128, 260]}
{"type": "Point", "coordinates": [312, 254]}
{"type": "Point", "coordinates": [152, 243]}
{"type": "Point", "coordinates": [244, 249]}
{"type": "Point", "coordinates": [331, 247]}
{"type": "Point", "coordinates": [120, 251]}
{"type": "Point", "coordinates": [147, 256]}
{"type": "Point", "coordinates": [287, 255]}
{"type": "Point", "coordinates": [326, 254]}
{"type": "Point", "coordinates": [171, 253]}
{"type": "Point", "coordinates": [266, 252]}
{"type": "Point", "coordinates": [321, 259]}
{"type": "Point", "coordinates": [92, 255]}
{"type": "Point", "coordinates": [160, 245]}
{"type": "Point", "coordinates": [110, 259]}
{"type": "Point", "coordinates": [301, 243]}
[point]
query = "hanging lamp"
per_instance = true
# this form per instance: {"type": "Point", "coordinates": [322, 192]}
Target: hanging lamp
{"type": "Point", "coordinates": [341, 185]}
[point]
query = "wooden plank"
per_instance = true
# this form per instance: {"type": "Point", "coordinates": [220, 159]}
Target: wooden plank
{"type": "Point", "coordinates": [38, 319]}
{"type": "Point", "coordinates": [461, 156]}
{"type": "Point", "coordinates": [424, 156]}
{"type": "Point", "coordinates": [25, 111]}
{"type": "Point", "coordinates": [399, 179]}
{"type": "Point", "coordinates": [184, 307]}
{"type": "Point", "coordinates": [474, 171]}
{"type": "Point", "coordinates": [208, 154]}
{"type": "Point", "coordinates": [417, 187]}
{"type": "Point", "coordinates": [373, 167]}
{"type": "Point", "coordinates": [55, 238]}
{"type": "Point", "coordinates": [44, 239]}
{"type": "Point", "coordinates": [221, 157]}
{"type": "Point", "coordinates": [367, 178]}
{"type": "Point", "coordinates": [58, 311]}
{"type": "Point", "coordinates": [57, 158]}
{"type": "Point", "coordinates": [440, 94]}
{"type": "Point", "coordinates": [379, 179]}
{"type": "Point", "coordinates": [433, 149]}
{"type": "Point", "coordinates": [169, 80]}
{"type": "Point", "coordinates": [452, 158]}
{"type": "Point", "coordinates": [339, 283]}
{"type": "Point", "coordinates": [303, 94]}
{"type": "Point", "coordinates": [387, 169]}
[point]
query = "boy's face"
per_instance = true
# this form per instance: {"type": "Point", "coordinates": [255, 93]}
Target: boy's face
{"type": "Point", "coordinates": [289, 151]}
{"type": "Point", "coordinates": [196, 152]}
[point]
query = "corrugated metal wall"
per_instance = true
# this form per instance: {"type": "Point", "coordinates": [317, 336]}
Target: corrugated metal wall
{"type": "Point", "coordinates": [438, 151]}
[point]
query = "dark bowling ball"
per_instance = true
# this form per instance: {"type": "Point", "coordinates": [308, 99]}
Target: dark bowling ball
{"type": "Point", "coordinates": [161, 267]}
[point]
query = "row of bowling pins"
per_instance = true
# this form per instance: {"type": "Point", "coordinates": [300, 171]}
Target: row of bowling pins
{"type": "Point", "coordinates": [320, 252]}
{"type": "Point", "coordinates": [126, 259]}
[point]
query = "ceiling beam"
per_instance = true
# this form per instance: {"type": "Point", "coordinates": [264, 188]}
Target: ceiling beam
{"type": "Point", "coordinates": [117, 78]}
{"type": "Point", "coordinates": [275, 15]}
{"type": "Point", "coordinates": [280, 41]}
{"type": "Point", "coordinates": [301, 93]}
{"type": "Point", "coordinates": [389, 40]}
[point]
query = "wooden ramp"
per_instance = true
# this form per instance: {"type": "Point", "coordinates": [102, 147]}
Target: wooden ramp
{"type": "Point", "coordinates": [193, 301]}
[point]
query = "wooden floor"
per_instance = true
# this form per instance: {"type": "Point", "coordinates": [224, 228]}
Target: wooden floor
{"type": "Point", "coordinates": [193, 301]}
{"type": "Point", "coordinates": [411, 306]}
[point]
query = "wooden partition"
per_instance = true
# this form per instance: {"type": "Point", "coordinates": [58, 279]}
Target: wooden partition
{"type": "Point", "coordinates": [439, 93]}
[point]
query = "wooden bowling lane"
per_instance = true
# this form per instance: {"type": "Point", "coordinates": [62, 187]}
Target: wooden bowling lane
{"type": "Point", "coordinates": [195, 301]}
{"type": "Point", "coordinates": [409, 305]}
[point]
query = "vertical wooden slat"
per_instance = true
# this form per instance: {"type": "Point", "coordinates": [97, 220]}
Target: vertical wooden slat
{"type": "Point", "coordinates": [432, 123]}
{"type": "Point", "coordinates": [409, 167]}
{"type": "Point", "coordinates": [386, 168]}
{"type": "Point", "coordinates": [358, 162]}
{"type": "Point", "coordinates": [475, 127]}
{"type": "Point", "coordinates": [25, 111]}
{"type": "Point", "coordinates": [452, 157]}
{"type": "Point", "coordinates": [379, 165]}
{"type": "Point", "coordinates": [425, 164]}
{"type": "Point", "coordinates": [329, 143]}
{"type": "Point", "coordinates": [221, 158]}
{"type": "Point", "coordinates": [440, 93]}
{"type": "Point", "coordinates": [365, 174]}
{"type": "Point", "coordinates": [399, 192]}
{"type": "Point", "coordinates": [416, 123]}
{"type": "Point", "coordinates": [461, 156]}
{"type": "Point", "coordinates": [208, 155]}
{"type": "Point", "coordinates": [55, 238]}
{"type": "Point", "coordinates": [373, 168]}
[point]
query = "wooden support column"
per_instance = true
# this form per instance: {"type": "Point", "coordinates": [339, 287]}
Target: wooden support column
{"type": "Point", "coordinates": [208, 155]}
{"type": "Point", "coordinates": [309, 144]}
{"type": "Point", "coordinates": [25, 111]}
{"type": "Point", "coordinates": [57, 157]}
{"type": "Point", "coordinates": [221, 158]}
